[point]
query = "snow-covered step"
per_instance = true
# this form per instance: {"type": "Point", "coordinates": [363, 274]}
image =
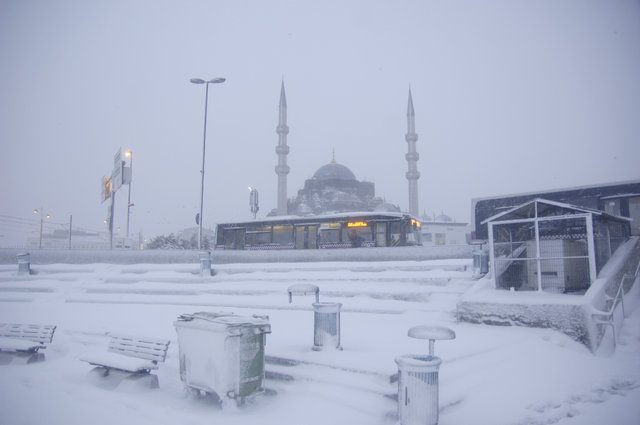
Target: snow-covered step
{"type": "Point", "coordinates": [287, 369]}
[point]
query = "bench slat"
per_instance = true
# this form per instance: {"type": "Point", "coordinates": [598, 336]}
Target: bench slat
{"type": "Point", "coordinates": [140, 347]}
{"type": "Point", "coordinates": [37, 333]}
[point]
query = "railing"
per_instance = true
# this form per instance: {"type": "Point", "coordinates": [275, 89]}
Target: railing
{"type": "Point", "coordinates": [607, 318]}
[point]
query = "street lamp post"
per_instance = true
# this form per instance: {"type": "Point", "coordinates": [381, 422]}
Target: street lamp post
{"type": "Point", "coordinates": [204, 141]}
{"type": "Point", "coordinates": [42, 217]}
{"type": "Point", "coordinates": [129, 154]}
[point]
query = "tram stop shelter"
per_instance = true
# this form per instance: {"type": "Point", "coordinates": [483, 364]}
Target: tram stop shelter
{"type": "Point", "coordinates": [544, 245]}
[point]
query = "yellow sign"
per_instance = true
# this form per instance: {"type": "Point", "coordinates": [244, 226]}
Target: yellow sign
{"type": "Point", "coordinates": [416, 223]}
{"type": "Point", "coordinates": [357, 224]}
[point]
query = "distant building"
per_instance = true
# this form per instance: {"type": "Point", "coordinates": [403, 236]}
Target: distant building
{"type": "Point", "coordinates": [80, 239]}
{"type": "Point", "coordinates": [443, 230]}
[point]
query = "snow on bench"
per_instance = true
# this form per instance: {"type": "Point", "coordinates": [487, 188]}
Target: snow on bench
{"type": "Point", "coordinates": [25, 339]}
{"type": "Point", "coordinates": [130, 354]}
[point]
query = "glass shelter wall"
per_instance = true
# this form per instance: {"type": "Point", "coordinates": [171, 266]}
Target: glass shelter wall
{"type": "Point", "coordinates": [555, 261]}
{"type": "Point", "coordinates": [552, 247]}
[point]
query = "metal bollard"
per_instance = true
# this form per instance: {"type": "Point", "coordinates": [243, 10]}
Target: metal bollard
{"type": "Point", "coordinates": [484, 262]}
{"type": "Point", "coordinates": [326, 326]}
{"type": "Point", "coordinates": [480, 263]}
{"type": "Point", "coordinates": [418, 379]}
{"type": "Point", "coordinates": [24, 263]}
{"type": "Point", "coordinates": [205, 263]}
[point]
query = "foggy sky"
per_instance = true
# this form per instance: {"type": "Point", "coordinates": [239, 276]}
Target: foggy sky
{"type": "Point", "coordinates": [510, 96]}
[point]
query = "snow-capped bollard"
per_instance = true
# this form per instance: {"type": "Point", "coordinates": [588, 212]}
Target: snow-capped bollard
{"type": "Point", "coordinates": [326, 326]}
{"type": "Point", "coordinates": [222, 354]}
{"type": "Point", "coordinates": [24, 263]}
{"type": "Point", "coordinates": [205, 263]}
{"type": "Point", "coordinates": [418, 379]}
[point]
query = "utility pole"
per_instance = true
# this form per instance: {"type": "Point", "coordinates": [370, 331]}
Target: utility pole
{"type": "Point", "coordinates": [42, 216]}
{"type": "Point", "coordinates": [129, 153]}
{"type": "Point", "coordinates": [111, 214]}
{"type": "Point", "coordinates": [70, 225]}
{"type": "Point", "coordinates": [41, 224]}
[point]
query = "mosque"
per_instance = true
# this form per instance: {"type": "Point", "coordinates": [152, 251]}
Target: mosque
{"type": "Point", "coordinates": [333, 187]}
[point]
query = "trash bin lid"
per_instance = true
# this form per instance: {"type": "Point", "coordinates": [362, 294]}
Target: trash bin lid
{"type": "Point", "coordinates": [226, 320]}
{"type": "Point", "coordinates": [431, 332]}
{"type": "Point", "coordinates": [418, 363]}
{"type": "Point", "coordinates": [326, 307]}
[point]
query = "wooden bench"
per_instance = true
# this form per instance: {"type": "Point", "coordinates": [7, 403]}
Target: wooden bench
{"type": "Point", "coordinates": [25, 340]}
{"type": "Point", "coordinates": [130, 357]}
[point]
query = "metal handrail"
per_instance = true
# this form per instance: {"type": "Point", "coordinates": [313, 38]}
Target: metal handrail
{"type": "Point", "coordinates": [606, 319]}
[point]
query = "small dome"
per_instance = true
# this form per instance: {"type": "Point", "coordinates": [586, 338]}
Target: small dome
{"type": "Point", "coordinates": [443, 218]}
{"type": "Point", "coordinates": [334, 171]}
{"type": "Point", "coordinates": [387, 207]}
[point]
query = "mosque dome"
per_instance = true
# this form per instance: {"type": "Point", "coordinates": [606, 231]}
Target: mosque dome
{"type": "Point", "coordinates": [334, 171]}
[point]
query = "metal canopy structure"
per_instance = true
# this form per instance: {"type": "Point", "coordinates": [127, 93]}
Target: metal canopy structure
{"type": "Point", "coordinates": [550, 246]}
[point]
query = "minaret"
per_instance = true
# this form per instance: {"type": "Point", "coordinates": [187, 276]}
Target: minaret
{"type": "Point", "coordinates": [282, 169]}
{"type": "Point", "coordinates": [412, 158]}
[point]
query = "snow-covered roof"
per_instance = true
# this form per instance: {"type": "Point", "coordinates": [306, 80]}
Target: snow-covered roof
{"type": "Point", "coordinates": [562, 189]}
{"type": "Point", "coordinates": [444, 223]}
{"type": "Point", "coordinates": [355, 214]}
{"type": "Point", "coordinates": [621, 195]}
{"type": "Point", "coordinates": [557, 204]}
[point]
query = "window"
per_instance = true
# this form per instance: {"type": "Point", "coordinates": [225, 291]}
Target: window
{"type": "Point", "coordinates": [441, 239]}
{"type": "Point", "coordinates": [258, 238]}
{"type": "Point", "coordinates": [283, 234]}
{"type": "Point", "coordinates": [356, 236]}
{"type": "Point", "coordinates": [329, 236]}
{"type": "Point", "coordinates": [428, 237]}
{"type": "Point", "coordinates": [612, 206]}
{"type": "Point", "coordinates": [634, 214]}
{"type": "Point", "coordinates": [395, 230]}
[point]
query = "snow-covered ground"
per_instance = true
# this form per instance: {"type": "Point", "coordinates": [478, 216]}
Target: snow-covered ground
{"type": "Point", "coordinates": [489, 375]}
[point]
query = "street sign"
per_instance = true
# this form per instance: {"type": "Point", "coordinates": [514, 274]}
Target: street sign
{"type": "Point", "coordinates": [126, 175]}
{"type": "Point", "coordinates": [117, 175]}
{"type": "Point", "coordinates": [105, 188]}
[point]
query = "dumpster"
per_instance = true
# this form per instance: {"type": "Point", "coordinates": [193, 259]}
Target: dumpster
{"type": "Point", "coordinates": [24, 263]}
{"type": "Point", "coordinates": [222, 353]}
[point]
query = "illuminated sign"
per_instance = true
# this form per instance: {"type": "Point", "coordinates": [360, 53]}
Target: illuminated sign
{"type": "Point", "coordinates": [357, 224]}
